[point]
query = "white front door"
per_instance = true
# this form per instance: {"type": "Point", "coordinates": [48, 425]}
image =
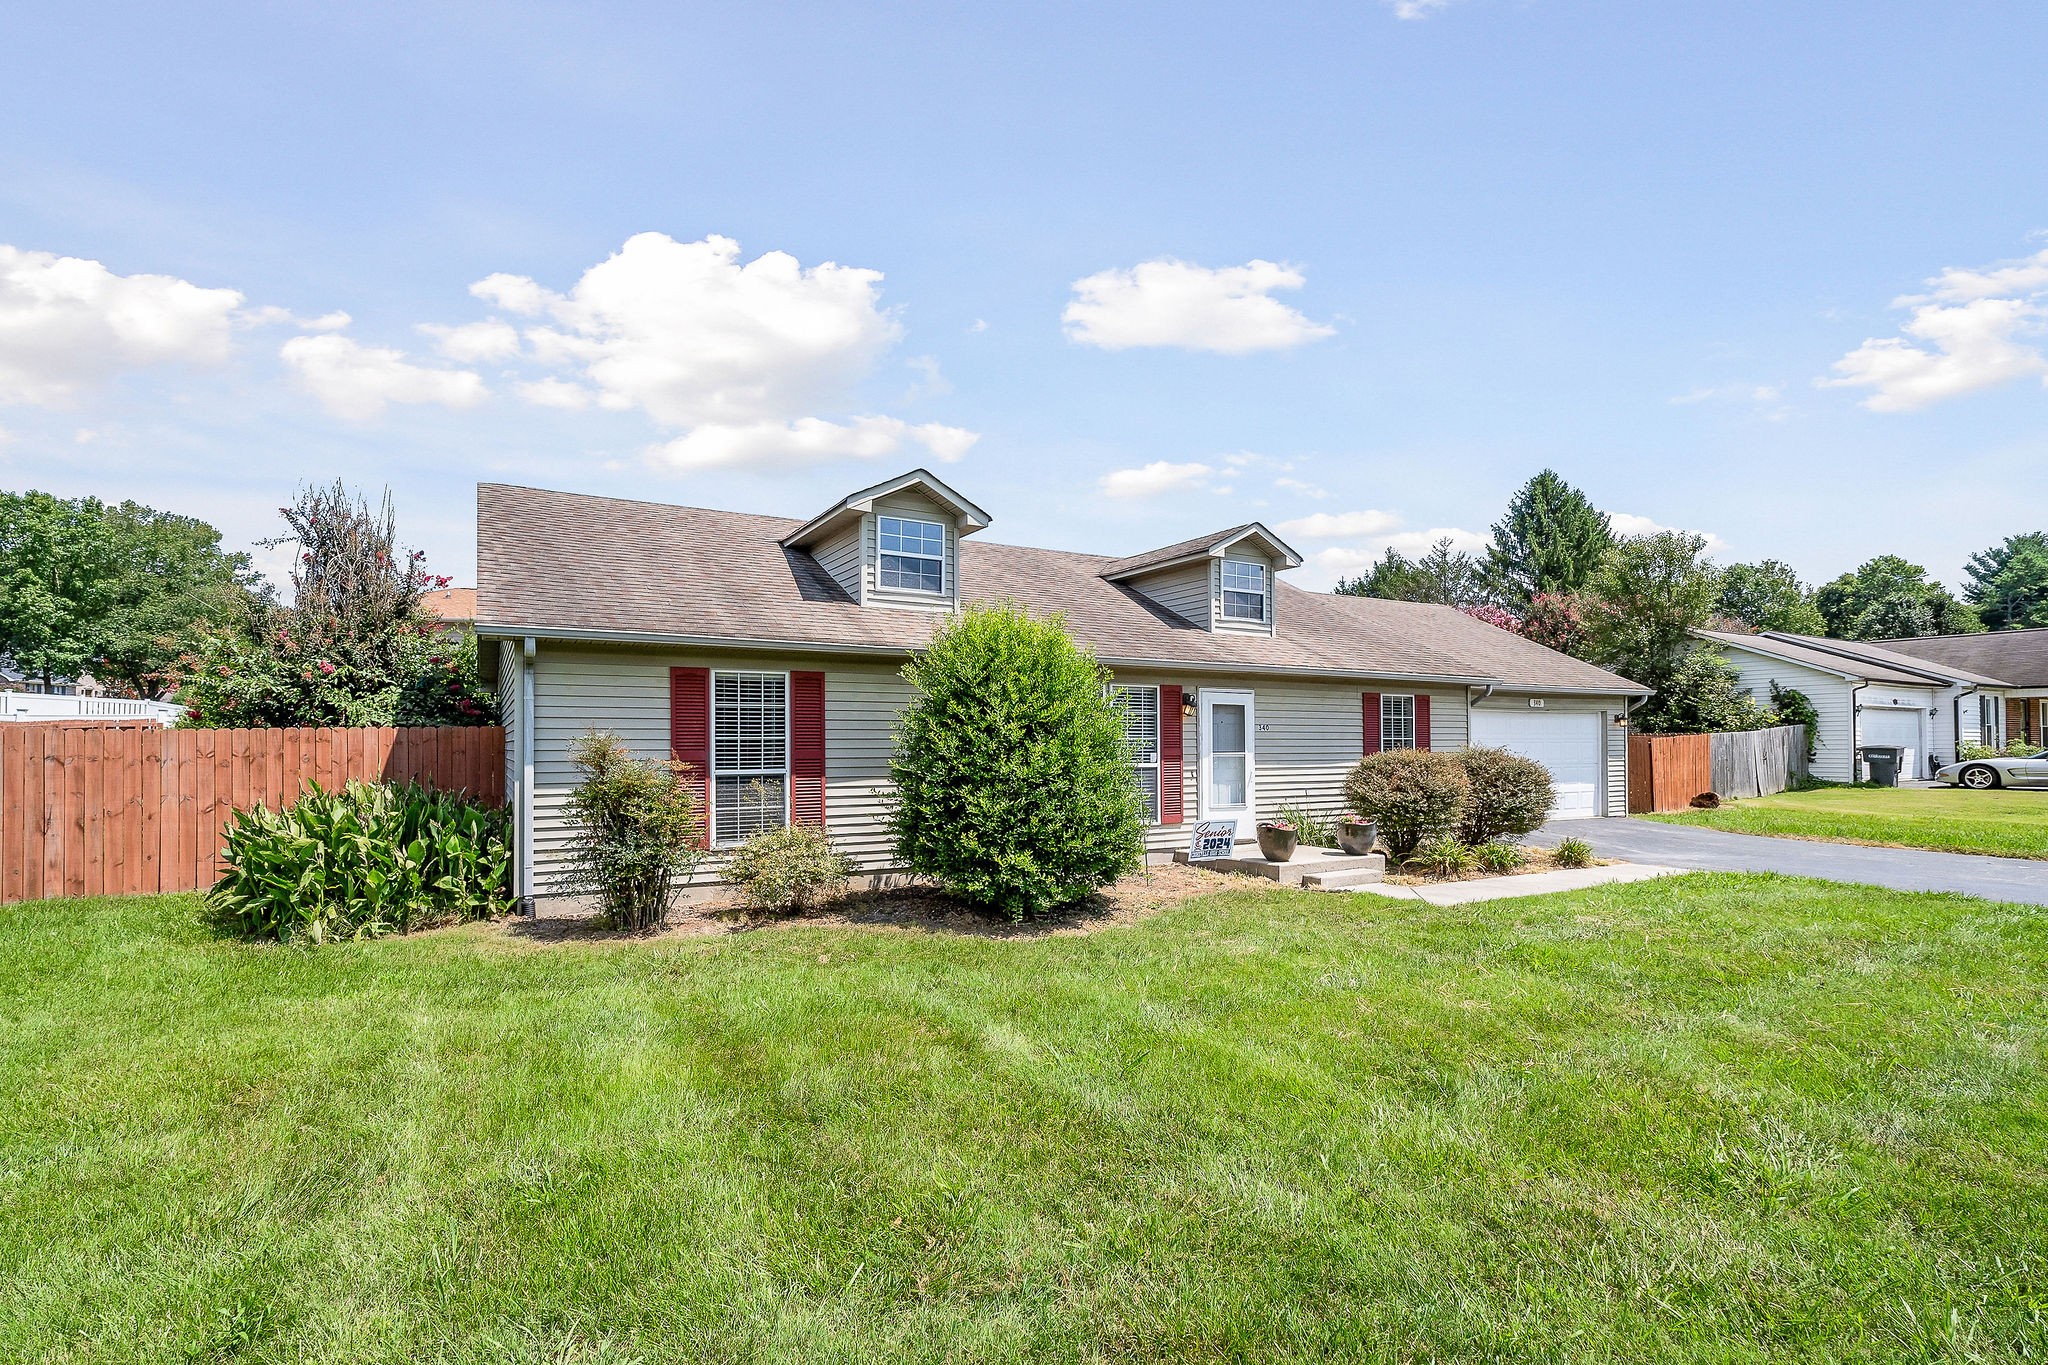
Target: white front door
{"type": "Point", "coordinates": [1228, 768]}
{"type": "Point", "coordinates": [1567, 743]}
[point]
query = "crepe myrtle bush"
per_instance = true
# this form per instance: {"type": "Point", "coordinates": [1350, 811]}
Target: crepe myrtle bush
{"type": "Point", "coordinates": [1013, 782]}
{"type": "Point", "coordinates": [1509, 795]}
{"type": "Point", "coordinates": [1413, 794]}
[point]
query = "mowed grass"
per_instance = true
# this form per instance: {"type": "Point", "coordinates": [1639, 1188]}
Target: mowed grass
{"type": "Point", "coordinates": [1706, 1118]}
{"type": "Point", "coordinates": [2009, 823]}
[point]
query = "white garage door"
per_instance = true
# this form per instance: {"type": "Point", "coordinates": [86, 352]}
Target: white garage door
{"type": "Point", "coordinates": [1896, 726]}
{"type": "Point", "coordinates": [1566, 742]}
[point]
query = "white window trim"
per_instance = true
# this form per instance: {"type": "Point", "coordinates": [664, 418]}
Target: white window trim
{"type": "Point", "coordinates": [1385, 742]}
{"type": "Point", "coordinates": [1223, 591]}
{"type": "Point", "coordinates": [1158, 738]}
{"type": "Point", "coordinates": [944, 540]}
{"type": "Point", "coordinates": [711, 815]}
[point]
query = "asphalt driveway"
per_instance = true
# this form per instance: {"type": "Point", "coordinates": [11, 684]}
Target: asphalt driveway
{"type": "Point", "coordinates": [1714, 850]}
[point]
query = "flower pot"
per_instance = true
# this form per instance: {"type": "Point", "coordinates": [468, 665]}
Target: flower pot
{"type": "Point", "coordinates": [1277, 845]}
{"type": "Point", "coordinates": [1357, 837]}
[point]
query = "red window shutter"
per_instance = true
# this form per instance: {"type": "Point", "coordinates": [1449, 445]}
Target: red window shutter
{"type": "Point", "coordinates": [807, 749]}
{"type": "Point", "coordinates": [689, 733]}
{"type": "Point", "coordinates": [1421, 721]}
{"type": "Point", "coordinates": [1371, 703]}
{"type": "Point", "coordinates": [1170, 776]}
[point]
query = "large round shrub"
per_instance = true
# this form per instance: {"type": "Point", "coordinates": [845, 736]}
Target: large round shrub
{"type": "Point", "coordinates": [1414, 794]}
{"type": "Point", "coordinates": [1510, 795]}
{"type": "Point", "coordinates": [1014, 789]}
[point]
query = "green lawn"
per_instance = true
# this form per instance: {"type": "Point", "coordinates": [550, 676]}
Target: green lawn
{"type": "Point", "coordinates": [2012, 824]}
{"type": "Point", "coordinates": [1725, 1118]}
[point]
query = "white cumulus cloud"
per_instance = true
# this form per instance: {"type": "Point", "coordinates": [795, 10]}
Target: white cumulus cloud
{"type": "Point", "coordinates": [1973, 329]}
{"type": "Point", "coordinates": [475, 343]}
{"type": "Point", "coordinates": [1416, 9]}
{"type": "Point", "coordinates": [747, 362]}
{"type": "Point", "coordinates": [1161, 476]}
{"type": "Point", "coordinates": [1340, 525]}
{"type": "Point", "coordinates": [1629, 524]}
{"type": "Point", "coordinates": [358, 382]}
{"type": "Point", "coordinates": [1172, 303]}
{"type": "Point", "coordinates": [68, 324]}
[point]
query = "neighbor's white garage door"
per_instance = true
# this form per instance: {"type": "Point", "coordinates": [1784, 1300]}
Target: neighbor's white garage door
{"type": "Point", "coordinates": [1566, 742]}
{"type": "Point", "coordinates": [1897, 726]}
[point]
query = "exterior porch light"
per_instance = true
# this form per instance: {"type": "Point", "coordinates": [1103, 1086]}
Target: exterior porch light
{"type": "Point", "coordinates": [1187, 703]}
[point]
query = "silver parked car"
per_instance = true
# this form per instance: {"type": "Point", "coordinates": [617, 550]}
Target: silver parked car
{"type": "Point", "coordinates": [1982, 774]}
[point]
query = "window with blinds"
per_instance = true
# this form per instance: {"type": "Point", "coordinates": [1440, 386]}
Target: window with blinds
{"type": "Point", "coordinates": [1141, 738]}
{"type": "Point", "coordinates": [1397, 721]}
{"type": "Point", "coordinates": [749, 754]}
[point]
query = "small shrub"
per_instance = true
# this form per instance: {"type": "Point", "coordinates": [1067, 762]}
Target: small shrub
{"type": "Point", "coordinates": [365, 860]}
{"type": "Point", "coordinates": [1510, 795]}
{"type": "Point", "coordinates": [1498, 857]}
{"type": "Point", "coordinates": [638, 830]}
{"type": "Point", "coordinates": [789, 869]}
{"type": "Point", "coordinates": [1970, 752]}
{"type": "Point", "coordinates": [2020, 748]}
{"type": "Point", "coordinates": [1573, 853]}
{"type": "Point", "coordinates": [1314, 830]}
{"type": "Point", "coordinates": [1794, 707]}
{"type": "Point", "coordinates": [1441, 855]}
{"type": "Point", "coordinates": [1013, 781]}
{"type": "Point", "coordinates": [1412, 793]}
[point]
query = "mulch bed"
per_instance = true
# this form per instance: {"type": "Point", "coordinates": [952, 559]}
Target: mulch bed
{"type": "Point", "coordinates": [912, 906]}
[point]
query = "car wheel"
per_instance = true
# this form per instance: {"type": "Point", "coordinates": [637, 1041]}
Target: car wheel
{"type": "Point", "coordinates": [1979, 778]}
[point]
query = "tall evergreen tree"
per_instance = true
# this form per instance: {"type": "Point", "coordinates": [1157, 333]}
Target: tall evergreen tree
{"type": "Point", "coordinates": [1551, 540]}
{"type": "Point", "coordinates": [2009, 582]}
{"type": "Point", "coordinates": [1445, 575]}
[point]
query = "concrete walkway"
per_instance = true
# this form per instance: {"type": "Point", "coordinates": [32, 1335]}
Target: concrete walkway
{"type": "Point", "coordinates": [1522, 884]}
{"type": "Point", "coordinates": [1713, 850]}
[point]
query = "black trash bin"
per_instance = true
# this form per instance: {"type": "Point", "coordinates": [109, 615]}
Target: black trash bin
{"type": "Point", "coordinates": [1883, 762]}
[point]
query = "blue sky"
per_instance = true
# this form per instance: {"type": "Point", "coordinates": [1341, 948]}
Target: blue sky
{"type": "Point", "coordinates": [1119, 273]}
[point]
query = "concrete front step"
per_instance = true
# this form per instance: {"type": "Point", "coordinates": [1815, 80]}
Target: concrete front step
{"type": "Point", "coordinates": [1315, 868]}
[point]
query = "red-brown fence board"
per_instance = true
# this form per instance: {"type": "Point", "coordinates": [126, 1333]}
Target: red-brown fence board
{"type": "Point", "coordinates": [1665, 772]}
{"type": "Point", "coordinates": [90, 810]}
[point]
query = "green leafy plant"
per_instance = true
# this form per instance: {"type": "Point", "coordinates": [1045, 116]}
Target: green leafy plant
{"type": "Point", "coordinates": [1314, 829]}
{"type": "Point", "coordinates": [369, 859]}
{"type": "Point", "coordinates": [639, 831]}
{"type": "Point", "coordinates": [1794, 707]}
{"type": "Point", "coordinates": [1509, 795]}
{"type": "Point", "coordinates": [1573, 853]}
{"type": "Point", "coordinates": [1498, 856]}
{"type": "Point", "coordinates": [1441, 855]}
{"type": "Point", "coordinates": [1013, 784]}
{"type": "Point", "coordinates": [1413, 794]}
{"type": "Point", "coordinates": [788, 869]}
{"type": "Point", "coordinates": [1971, 752]}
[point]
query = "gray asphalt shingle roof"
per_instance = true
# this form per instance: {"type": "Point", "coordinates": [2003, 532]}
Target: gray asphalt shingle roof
{"type": "Point", "coordinates": [570, 563]}
{"type": "Point", "coordinates": [1866, 668]}
{"type": "Point", "coordinates": [2018, 656]}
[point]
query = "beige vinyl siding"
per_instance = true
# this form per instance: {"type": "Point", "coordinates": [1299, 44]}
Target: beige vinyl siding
{"type": "Point", "coordinates": [908, 503]}
{"type": "Point", "coordinates": [1225, 623]}
{"type": "Point", "coordinates": [1183, 591]}
{"type": "Point", "coordinates": [840, 556]}
{"type": "Point", "coordinates": [1830, 695]}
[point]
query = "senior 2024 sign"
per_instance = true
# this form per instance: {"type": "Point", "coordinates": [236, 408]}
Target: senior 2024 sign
{"type": "Point", "coordinates": [1212, 839]}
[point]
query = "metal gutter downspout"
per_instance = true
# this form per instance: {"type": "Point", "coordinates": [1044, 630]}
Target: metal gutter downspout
{"type": "Point", "coordinates": [1472, 701]}
{"type": "Point", "coordinates": [526, 906]}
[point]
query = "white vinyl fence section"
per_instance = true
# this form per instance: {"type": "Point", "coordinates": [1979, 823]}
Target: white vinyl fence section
{"type": "Point", "coordinates": [36, 706]}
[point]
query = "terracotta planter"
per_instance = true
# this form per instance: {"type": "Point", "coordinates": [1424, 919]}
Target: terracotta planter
{"type": "Point", "coordinates": [1357, 837]}
{"type": "Point", "coordinates": [1277, 845]}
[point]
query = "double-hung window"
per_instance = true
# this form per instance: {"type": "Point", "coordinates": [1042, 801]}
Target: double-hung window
{"type": "Point", "coordinates": [913, 554]}
{"type": "Point", "coordinates": [749, 754]}
{"type": "Point", "coordinates": [1244, 590]}
{"type": "Point", "coordinates": [1987, 721]}
{"type": "Point", "coordinates": [1397, 721]}
{"type": "Point", "coordinates": [1141, 738]}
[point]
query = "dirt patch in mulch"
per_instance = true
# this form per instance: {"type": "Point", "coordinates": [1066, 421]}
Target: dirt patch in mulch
{"type": "Point", "coordinates": [913, 906]}
{"type": "Point", "coordinates": [1534, 859]}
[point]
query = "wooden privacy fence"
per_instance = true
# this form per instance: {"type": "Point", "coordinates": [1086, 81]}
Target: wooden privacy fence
{"type": "Point", "coordinates": [1665, 772]}
{"type": "Point", "coordinates": [113, 811]}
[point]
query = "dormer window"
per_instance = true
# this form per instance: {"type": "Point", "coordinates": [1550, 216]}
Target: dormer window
{"type": "Point", "coordinates": [1244, 591]}
{"type": "Point", "coordinates": [913, 554]}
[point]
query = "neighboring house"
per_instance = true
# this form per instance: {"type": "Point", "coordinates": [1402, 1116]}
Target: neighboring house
{"type": "Point", "coordinates": [2018, 656]}
{"type": "Point", "coordinates": [451, 607]}
{"type": "Point", "coordinates": [14, 679]}
{"type": "Point", "coordinates": [1867, 694]}
{"type": "Point", "coordinates": [766, 653]}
